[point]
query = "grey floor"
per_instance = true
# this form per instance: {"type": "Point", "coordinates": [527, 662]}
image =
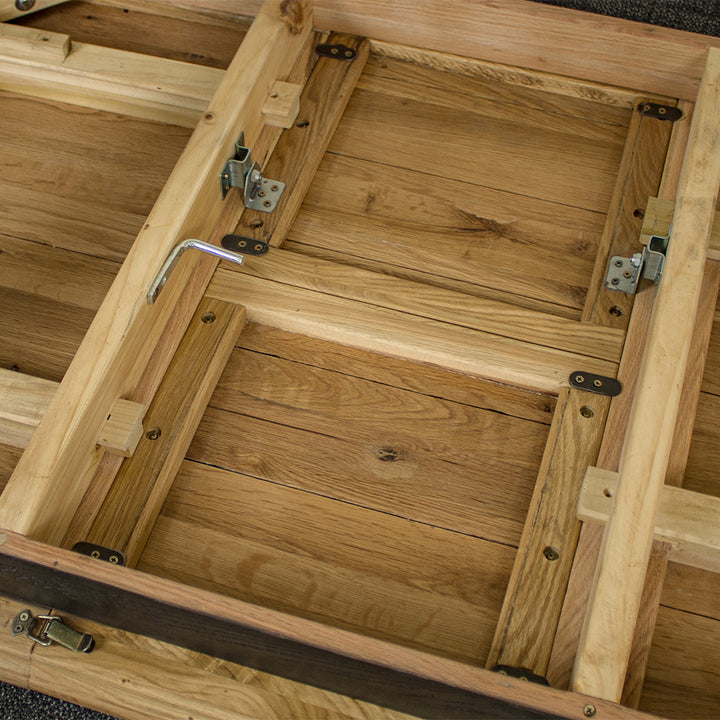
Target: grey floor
{"type": "Point", "coordinates": [700, 16]}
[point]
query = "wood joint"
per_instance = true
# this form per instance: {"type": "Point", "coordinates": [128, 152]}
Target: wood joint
{"type": "Point", "coordinates": [282, 105]}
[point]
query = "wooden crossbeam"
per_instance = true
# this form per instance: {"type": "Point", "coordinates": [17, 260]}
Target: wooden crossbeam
{"type": "Point", "coordinates": [46, 64]}
{"type": "Point", "coordinates": [62, 455]}
{"type": "Point", "coordinates": [688, 520]}
{"type": "Point", "coordinates": [606, 640]}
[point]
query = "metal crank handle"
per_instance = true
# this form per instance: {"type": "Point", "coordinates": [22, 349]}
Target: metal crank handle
{"type": "Point", "coordinates": [174, 256]}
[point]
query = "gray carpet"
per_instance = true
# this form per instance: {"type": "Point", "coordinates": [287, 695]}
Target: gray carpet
{"type": "Point", "coordinates": [700, 16]}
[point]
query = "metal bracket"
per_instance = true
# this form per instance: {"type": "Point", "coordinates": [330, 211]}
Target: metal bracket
{"type": "Point", "coordinates": [259, 193]}
{"type": "Point", "coordinates": [48, 629]}
{"type": "Point", "coordinates": [99, 552]}
{"type": "Point", "coordinates": [159, 282]}
{"type": "Point", "coordinates": [336, 52]}
{"type": "Point", "coordinates": [661, 112]}
{"type": "Point", "coordinates": [624, 273]}
{"type": "Point", "coordinates": [244, 245]}
{"type": "Point", "coordinates": [598, 384]}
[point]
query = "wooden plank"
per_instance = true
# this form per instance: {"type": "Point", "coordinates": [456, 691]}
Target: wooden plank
{"type": "Point", "coordinates": [23, 402]}
{"type": "Point", "coordinates": [704, 457]}
{"type": "Point", "coordinates": [497, 145]}
{"type": "Point", "coordinates": [689, 521]}
{"type": "Point", "coordinates": [497, 243]}
{"type": "Point", "coordinates": [399, 678]}
{"type": "Point", "coordinates": [302, 147]}
{"type": "Point", "coordinates": [113, 355]}
{"type": "Point", "coordinates": [382, 447]}
{"type": "Point", "coordinates": [526, 628]}
{"type": "Point", "coordinates": [488, 316]}
{"type": "Point", "coordinates": [119, 81]}
{"type": "Point", "coordinates": [678, 682]}
{"type": "Point", "coordinates": [15, 657]}
{"type": "Point", "coordinates": [125, 518]}
{"type": "Point", "coordinates": [8, 9]}
{"type": "Point", "coordinates": [288, 550]}
{"type": "Point", "coordinates": [397, 373]}
{"type": "Point", "coordinates": [658, 219]}
{"type": "Point", "coordinates": [639, 177]}
{"type": "Point", "coordinates": [607, 636]}
{"type": "Point", "coordinates": [363, 325]}
{"type": "Point", "coordinates": [519, 33]}
{"type": "Point", "coordinates": [9, 457]}
{"type": "Point", "coordinates": [692, 590]}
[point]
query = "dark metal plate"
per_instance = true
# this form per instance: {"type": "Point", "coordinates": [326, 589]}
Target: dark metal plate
{"type": "Point", "coordinates": [598, 384]}
{"type": "Point", "coordinates": [338, 52]}
{"type": "Point", "coordinates": [244, 245]}
{"type": "Point", "coordinates": [114, 557]}
{"type": "Point", "coordinates": [661, 112]}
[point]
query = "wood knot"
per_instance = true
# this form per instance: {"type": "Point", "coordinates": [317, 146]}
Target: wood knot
{"type": "Point", "coordinates": [292, 13]}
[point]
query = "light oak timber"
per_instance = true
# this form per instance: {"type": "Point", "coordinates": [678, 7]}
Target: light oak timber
{"type": "Point", "coordinates": [75, 571]}
{"type": "Point", "coordinates": [658, 220]}
{"type": "Point", "coordinates": [15, 657]}
{"type": "Point", "coordinates": [119, 81]}
{"type": "Point", "coordinates": [526, 628]}
{"type": "Point", "coordinates": [518, 33]}
{"type": "Point", "coordinates": [8, 11]}
{"type": "Point", "coordinates": [519, 78]}
{"type": "Point", "coordinates": [678, 682]}
{"type": "Point", "coordinates": [704, 458]}
{"type": "Point", "coordinates": [456, 308]}
{"type": "Point", "coordinates": [402, 374]}
{"type": "Point", "coordinates": [289, 550]}
{"type": "Point", "coordinates": [639, 177]}
{"type": "Point", "coordinates": [497, 244]}
{"type": "Point", "coordinates": [606, 639]}
{"type": "Point", "coordinates": [576, 597]}
{"type": "Point", "coordinates": [123, 428]}
{"type": "Point", "coordinates": [703, 598]}
{"type": "Point", "coordinates": [368, 326]}
{"type": "Point", "coordinates": [301, 148]}
{"type": "Point", "coordinates": [9, 457]}
{"type": "Point", "coordinates": [111, 359]}
{"type": "Point", "coordinates": [128, 513]}
{"type": "Point", "coordinates": [689, 521]}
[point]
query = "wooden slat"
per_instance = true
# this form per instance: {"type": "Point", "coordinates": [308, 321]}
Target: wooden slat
{"type": "Point", "coordinates": [363, 325]}
{"type": "Point", "coordinates": [526, 629]}
{"type": "Point", "coordinates": [125, 330]}
{"type": "Point", "coordinates": [607, 636]}
{"type": "Point", "coordinates": [397, 580]}
{"type": "Point", "coordinates": [302, 147]}
{"type": "Point", "coordinates": [689, 521]}
{"type": "Point", "coordinates": [488, 316]}
{"type": "Point", "coordinates": [23, 402]}
{"type": "Point", "coordinates": [397, 373]}
{"type": "Point", "coordinates": [519, 33]}
{"type": "Point", "coordinates": [128, 513]}
{"type": "Point", "coordinates": [119, 81]}
{"type": "Point", "coordinates": [639, 177]}
{"type": "Point", "coordinates": [400, 678]}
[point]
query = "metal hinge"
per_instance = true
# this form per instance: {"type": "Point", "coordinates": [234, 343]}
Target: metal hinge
{"type": "Point", "coordinates": [49, 629]}
{"type": "Point", "coordinates": [259, 193]}
{"type": "Point", "coordinates": [624, 273]}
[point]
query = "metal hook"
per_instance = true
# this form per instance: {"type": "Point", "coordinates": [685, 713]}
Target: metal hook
{"type": "Point", "coordinates": [174, 256]}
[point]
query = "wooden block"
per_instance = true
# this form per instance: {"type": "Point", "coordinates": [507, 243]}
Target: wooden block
{"type": "Point", "coordinates": [123, 428]}
{"type": "Point", "coordinates": [658, 220]}
{"type": "Point", "coordinates": [282, 104]}
{"type": "Point", "coordinates": [39, 45]}
{"type": "Point", "coordinates": [688, 520]}
{"type": "Point", "coordinates": [23, 402]}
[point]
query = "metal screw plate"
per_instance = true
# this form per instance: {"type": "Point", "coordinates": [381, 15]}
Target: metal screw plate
{"type": "Point", "coordinates": [244, 245]}
{"type": "Point", "coordinates": [337, 52]}
{"type": "Point", "coordinates": [114, 557]}
{"type": "Point", "coordinates": [661, 112]}
{"type": "Point", "coordinates": [598, 384]}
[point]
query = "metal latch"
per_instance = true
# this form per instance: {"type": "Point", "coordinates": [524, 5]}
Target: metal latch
{"type": "Point", "coordinates": [259, 193]}
{"type": "Point", "coordinates": [49, 629]}
{"type": "Point", "coordinates": [624, 273]}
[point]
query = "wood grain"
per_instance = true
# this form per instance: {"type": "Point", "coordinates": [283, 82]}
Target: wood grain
{"type": "Point", "coordinates": [126, 516]}
{"type": "Point", "coordinates": [23, 401]}
{"type": "Point", "coordinates": [330, 561]}
{"type": "Point", "coordinates": [499, 241]}
{"type": "Point", "coordinates": [398, 373]}
{"type": "Point", "coordinates": [526, 628]}
{"type": "Point", "coordinates": [400, 334]}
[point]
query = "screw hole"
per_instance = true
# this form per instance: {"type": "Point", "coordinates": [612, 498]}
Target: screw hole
{"type": "Point", "coordinates": [615, 311]}
{"type": "Point", "coordinates": [607, 493]}
{"type": "Point", "coordinates": [256, 224]}
{"type": "Point", "coordinates": [267, 203]}
{"type": "Point", "coordinates": [587, 412]}
{"type": "Point", "coordinates": [153, 433]}
{"type": "Point", "coordinates": [208, 317]}
{"type": "Point", "coordinates": [302, 123]}
{"type": "Point", "coordinates": [638, 213]}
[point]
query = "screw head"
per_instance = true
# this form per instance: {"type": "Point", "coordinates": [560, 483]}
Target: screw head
{"type": "Point", "coordinates": [24, 616]}
{"type": "Point", "coordinates": [587, 412]}
{"type": "Point", "coordinates": [24, 5]}
{"type": "Point", "coordinates": [615, 311]}
{"type": "Point", "coordinates": [153, 433]}
{"type": "Point", "coordinates": [208, 317]}
{"type": "Point", "coordinates": [589, 710]}
{"type": "Point", "coordinates": [551, 554]}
